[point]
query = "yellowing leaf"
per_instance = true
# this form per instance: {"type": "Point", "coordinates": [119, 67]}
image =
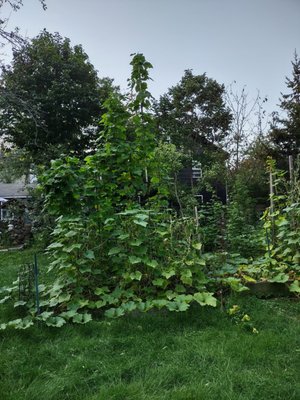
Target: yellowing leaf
{"type": "Point", "coordinates": [248, 278]}
{"type": "Point", "coordinates": [197, 246]}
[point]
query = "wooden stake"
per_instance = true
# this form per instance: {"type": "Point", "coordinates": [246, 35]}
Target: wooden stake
{"type": "Point", "coordinates": [272, 205]}
{"type": "Point", "coordinates": [271, 194]}
{"type": "Point", "coordinates": [291, 169]}
{"type": "Point", "coordinates": [196, 216]}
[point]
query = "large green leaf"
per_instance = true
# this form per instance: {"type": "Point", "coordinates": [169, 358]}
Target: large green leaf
{"type": "Point", "coordinates": [159, 282]}
{"type": "Point", "coordinates": [136, 242]}
{"type": "Point", "coordinates": [101, 290]}
{"type": "Point", "coordinates": [70, 234]}
{"type": "Point", "coordinates": [178, 306]}
{"type": "Point", "coordinates": [151, 263]}
{"type": "Point", "coordinates": [75, 246]}
{"type": "Point", "coordinates": [186, 277]}
{"type": "Point", "coordinates": [82, 318]}
{"type": "Point", "coordinates": [124, 236]}
{"type": "Point", "coordinates": [159, 303]}
{"type": "Point", "coordinates": [280, 278]}
{"type": "Point", "coordinates": [205, 299]}
{"type": "Point", "coordinates": [89, 254]}
{"type": "Point", "coordinates": [168, 274]}
{"type": "Point", "coordinates": [20, 303]}
{"type": "Point", "coordinates": [128, 307]}
{"type": "Point", "coordinates": [235, 284]}
{"type": "Point", "coordinates": [26, 323]}
{"type": "Point", "coordinates": [45, 315]}
{"type": "Point", "coordinates": [114, 312]}
{"type": "Point", "coordinates": [137, 275]}
{"type": "Point", "coordinates": [4, 299]}
{"type": "Point", "coordinates": [140, 222]}
{"type": "Point", "coordinates": [56, 322]}
{"type": "Point", "coordinates": [55, 245]}
{"type": "Point", "coordinates": [114, 250]}
{"type": "Point", "coordinates": [197, 246]}
{"type": "Point", "coordinates": [295, 287]}
{"type": "Point", "coordinates": [134, 259]}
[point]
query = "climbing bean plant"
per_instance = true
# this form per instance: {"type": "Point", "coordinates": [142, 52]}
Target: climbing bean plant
{"type": "Point", "coordinates": [116, 246]}
{"type": "Point", "coordinates": [280, 262]}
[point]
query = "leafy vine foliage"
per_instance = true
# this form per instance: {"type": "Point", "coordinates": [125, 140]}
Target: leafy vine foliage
{"type": "Point", "coordinates": [282, 227]}
{"type": "Point", "coordinates": [116, 246]}
{"type": "Point", "coordinates": [276, 242]}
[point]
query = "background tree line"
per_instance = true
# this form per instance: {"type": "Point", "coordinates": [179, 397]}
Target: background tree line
{"type": "Point", "coordinates": [52, 99]}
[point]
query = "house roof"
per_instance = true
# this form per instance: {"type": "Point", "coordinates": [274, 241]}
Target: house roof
{"type": "Point", "coordinates": [16, 190]}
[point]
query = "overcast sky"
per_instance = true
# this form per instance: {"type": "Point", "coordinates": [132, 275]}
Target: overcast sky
{"type": "Point", "coordinates": [249, 41]}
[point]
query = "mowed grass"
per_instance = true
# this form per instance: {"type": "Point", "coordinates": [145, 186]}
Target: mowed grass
{"type": "Point", "coordinates": [199, 354]}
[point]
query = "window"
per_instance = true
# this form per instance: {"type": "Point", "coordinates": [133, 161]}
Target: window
{"type": "Point", "coordinates": [5, 215]}
{"type": "Point", "coordinates": [196, 171]}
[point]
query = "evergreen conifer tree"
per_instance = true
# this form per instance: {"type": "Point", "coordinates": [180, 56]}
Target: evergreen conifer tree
{"type": "Point", "coordinates": [285, 133]}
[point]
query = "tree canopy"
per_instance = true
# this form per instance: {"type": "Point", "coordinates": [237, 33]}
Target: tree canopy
{"type": "Point", "coordinates": [50, 97]}
{"type": "Point", "coordinates": [192, 114]}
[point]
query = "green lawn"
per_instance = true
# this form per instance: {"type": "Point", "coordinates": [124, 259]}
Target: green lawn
{"type": "Point", "coordinates": [199, 354]}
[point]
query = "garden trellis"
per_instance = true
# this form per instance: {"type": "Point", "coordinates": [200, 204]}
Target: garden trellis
{"type": "Point", "coordinates": [28, 285]}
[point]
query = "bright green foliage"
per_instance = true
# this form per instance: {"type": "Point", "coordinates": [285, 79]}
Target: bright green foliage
{"type": "Point", "coordinates": [109, 252]}
{"type": "Point", "coordinates": [237, 252]}
{"type": "Point", "coordinates": [155, 356]}
{"type": "Point", "coordinates": [283, 222]}
{"type": "Point", "coordinates": [243, 232]}
{"type": "Point", "coordinates": [169, 162]}
{"type": "Point", "coordinates": [281, 261]}
{"type": "Point", "coordinates": [212, 225]}
{"type": "Point", "coordinates": [117, 248]}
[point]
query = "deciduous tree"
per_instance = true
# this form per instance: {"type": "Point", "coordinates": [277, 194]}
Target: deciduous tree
{"type": "Point", "coordinates": [50, 98]}
{"type": "Point", "coordinates": [247, 122]}
{"type": "Point", "coordinates": [193, 114]}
